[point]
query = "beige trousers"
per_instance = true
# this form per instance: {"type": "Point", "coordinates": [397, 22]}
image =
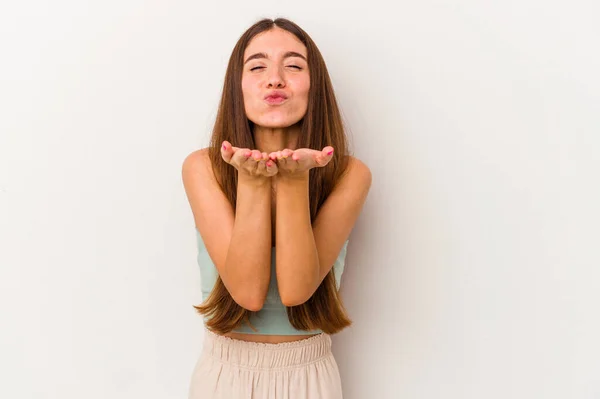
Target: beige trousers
{"type": "Point", "coordinates": [231, 369]}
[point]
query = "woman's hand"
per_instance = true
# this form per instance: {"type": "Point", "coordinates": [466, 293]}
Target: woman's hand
{"type": "Point", "coordinates": [252, 162]}
{"type": "Point", "coordinates": [295, 162]}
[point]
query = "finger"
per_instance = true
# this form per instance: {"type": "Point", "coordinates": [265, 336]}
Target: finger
{"type": "Point", "coordinates": [241, 156]}
{"type": "Point", "coordinates": [226, 151]}
{"type": "Point", "coordinates": [257, 155]}
{"type": "Point", "coordinates": [325, 156]}
{"type": "Point", "coordinates": [261, 167]}
{"type": "Point", "coordinates": [304, 154]}
{"type": "Point", "coordinates": [282, 161]}
{"type": "Point", "coordinates": [227, 144]}
{"type": "Point", "coordinates": [328, 150]}
{"type": "Point", "coordinates": [271, 168]}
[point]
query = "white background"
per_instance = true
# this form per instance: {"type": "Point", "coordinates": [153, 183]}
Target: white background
{"type": "Point", "coordinates": [472, 273]}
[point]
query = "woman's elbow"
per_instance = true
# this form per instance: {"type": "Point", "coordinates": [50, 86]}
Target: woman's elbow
{"type": "Point", "coordinates": [253, 306]}
{"type": "Point", "coordinates": [253, 303]}
{"type": "Point", "coordinates": [293, 300]}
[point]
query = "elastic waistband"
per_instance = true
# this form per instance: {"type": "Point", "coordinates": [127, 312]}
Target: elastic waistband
{"type": "Point", "coordinates": [258, 355]}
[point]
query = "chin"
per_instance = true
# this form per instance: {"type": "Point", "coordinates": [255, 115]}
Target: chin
{"type": "Point", "coordinates": [275, 123]}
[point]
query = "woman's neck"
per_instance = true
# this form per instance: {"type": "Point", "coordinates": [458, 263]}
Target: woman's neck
{"type": "Point", "coordinates": [276, 139]}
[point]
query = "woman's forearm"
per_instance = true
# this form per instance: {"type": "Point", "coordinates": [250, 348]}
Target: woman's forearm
{"type": "Point", "coordinates": [248, 264]}
{"type": "Point", "coordinates": [297, 260]}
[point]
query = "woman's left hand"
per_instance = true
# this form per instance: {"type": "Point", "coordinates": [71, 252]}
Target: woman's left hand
{"type": "Point", "coordinates": [294, 162]}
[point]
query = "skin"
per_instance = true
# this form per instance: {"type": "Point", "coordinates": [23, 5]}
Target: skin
{"type": "Point", "coordinates": [277, 169]}
{"type": "Point", "coordinates": [276, 125]}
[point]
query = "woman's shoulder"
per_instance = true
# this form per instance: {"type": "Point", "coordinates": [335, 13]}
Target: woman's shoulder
{"type": "Point", "coordinates": [197, 171]}
{"type": "Point", "coordinates": [357, 171]}
{"type": "Point", "coordinates": [196, 158]}
{"type": "Point", "coordinates": [197, 162]}
{"type": "Point", "coordinates": [354, 162]}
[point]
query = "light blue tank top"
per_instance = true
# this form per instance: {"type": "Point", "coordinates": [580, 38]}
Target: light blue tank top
{"type": "Point", "coordinates": [272, 318]}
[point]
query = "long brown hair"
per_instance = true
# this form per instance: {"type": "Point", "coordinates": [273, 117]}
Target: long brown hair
{"type": "Point", "coordinates": [321, 126]}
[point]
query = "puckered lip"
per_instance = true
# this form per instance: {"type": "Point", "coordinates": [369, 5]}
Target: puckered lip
{"type": "Point", "coordinates": [276, 94]}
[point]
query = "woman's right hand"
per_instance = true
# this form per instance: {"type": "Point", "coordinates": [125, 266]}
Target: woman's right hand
{"type": "Point", "coordinates": [251, 162]}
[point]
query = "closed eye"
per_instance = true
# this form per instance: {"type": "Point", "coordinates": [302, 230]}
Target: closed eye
{"type": "Point", "coordinates": [290, 66]}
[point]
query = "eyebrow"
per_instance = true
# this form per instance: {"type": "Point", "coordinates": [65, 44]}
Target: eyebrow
{"type": "Point", "coordinates": [286, 55]}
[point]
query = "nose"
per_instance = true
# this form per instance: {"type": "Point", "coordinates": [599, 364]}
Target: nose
{"type": "Point", "coordinates": [275, 78]}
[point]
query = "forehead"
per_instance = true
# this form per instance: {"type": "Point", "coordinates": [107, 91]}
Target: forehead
{"type": "Point", "coordinates": [273, 42]}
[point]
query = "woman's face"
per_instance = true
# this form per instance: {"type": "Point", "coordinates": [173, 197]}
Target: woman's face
{"type": "Point", "coordinates": [275, 79]}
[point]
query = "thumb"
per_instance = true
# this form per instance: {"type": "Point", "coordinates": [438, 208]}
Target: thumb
{"type": "Point", "coordinates": [227, 151]}
{"type": "Point", "coordinates": [325, 156]}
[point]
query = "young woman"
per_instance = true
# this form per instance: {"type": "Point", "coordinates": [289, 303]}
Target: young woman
{"type": "Point", "coordinates": [274, 197]}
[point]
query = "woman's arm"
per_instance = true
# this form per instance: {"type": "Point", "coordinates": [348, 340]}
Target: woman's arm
{"type": "Point", "coordinates": [239, 245]}
{"type": "Point", "coordinates": [305, 253]}
{"type": "Point", "coordinates": [296, 257]}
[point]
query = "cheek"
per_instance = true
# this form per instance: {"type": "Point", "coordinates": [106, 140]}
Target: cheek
{"type": "Point", "coordinates": [245, 90]}
{"type": "Point", "coordinates": [248, 86]}
{"type": "Point", "coordinates": [303, 87]}
{"type": "Point", "coordinates": [249, 95]}
{"type": "Point", "coordinates": [305, 91]}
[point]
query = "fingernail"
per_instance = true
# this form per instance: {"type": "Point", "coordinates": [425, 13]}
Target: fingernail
{"type": "Point", "coordinates": [330, 152]}
{"type": "Point", "coordinates": [269, 164]}
{"type": "Point", "coordinates": [224, 147]}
